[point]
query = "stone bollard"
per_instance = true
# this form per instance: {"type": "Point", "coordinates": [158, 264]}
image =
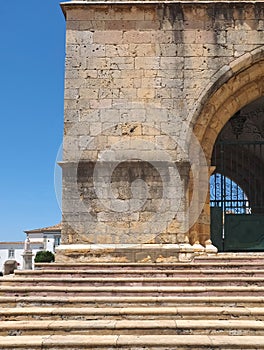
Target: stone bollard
{"type": "Point", "coordinates": [9, 267]}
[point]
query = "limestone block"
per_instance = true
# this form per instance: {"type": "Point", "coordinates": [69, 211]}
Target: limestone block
{"type": "Point", "coordinates": [93, 63]}
{"type": "Point", "coordinates": [108, 37]}
{"type": "Point", "coordinates": [88, 93]}
{"type": "Point", "coordinates": [83, 104]}
{"type": "Point", "coordinates": [128, 93]}
{"type": "Point", "coordinates": [95, 128]}
{"type": "Point", "coordinates": [142, 50]}
{"type": "Point", "coordinates": [115, 217]}
{"type": "Point", "coordinates": [109, 115]}
{"type": "Point", "coordinates": [147, 63]}
{"type": "Point", "coordinates": [121, 50]}
{"type": "Point", "coordinates": [88, 74]}
{"type": "Point", "coordinates": [133, 115]}
{"type": "Point", "coordinates": [131, 129]}
{"type": "Point", "coordinates": [120, 25]}
{"type": "Point", "coordinates": [244, 37]}
{"type": "Point", "coordinates": [104, 93]}
{"type": "Point", "coordinates": [100, 104]}
{"type": "Point", "coordinates": [72, 74]}
{"type": "Point", "coordinates": [217, 50]}
{"type": "Point", "coordinates": [195, 63]}
{"type": "Point", "coordinates": [205, 37]}
{"type": "Point", "coordinates": [171, 63]}
{"type": "Point", "coordinates": [74, 83]}
{"type": "Point", "coordinates": [79, 37]}
{"type": "Point", "coordinates": [95, 50]}
{"type": "Point", "coordinates": [145, 93]}
{"type": "Point", "coordinates": [193, 49]}
{"type": "Point", "coordinates": [134, 13]}
{"type": "Point", "coordinates": [136, 37]}
{"type": "Point", "coordinates": [240, 49]}
{"type": "Point", "coordinates": [71, 93]}
{"type": "Point", "coordinates": [71, 115]}
{"type": "Point", "coordinates": [87, 114]}
{"type": "Point", "coordinates": [147, 25]}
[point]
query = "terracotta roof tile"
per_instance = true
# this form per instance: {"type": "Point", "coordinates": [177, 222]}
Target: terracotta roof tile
{"type": "Point", "coordinates": [46, 229]}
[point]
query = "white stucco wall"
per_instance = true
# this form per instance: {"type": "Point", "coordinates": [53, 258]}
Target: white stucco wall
{"type": "Point", "coordinates": [38, 241]}
{"type": "Point", "coordinates": [4, 253]}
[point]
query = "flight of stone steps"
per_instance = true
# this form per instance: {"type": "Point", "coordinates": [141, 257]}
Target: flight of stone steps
{"type": "Point", "coordinates": [211, 303]}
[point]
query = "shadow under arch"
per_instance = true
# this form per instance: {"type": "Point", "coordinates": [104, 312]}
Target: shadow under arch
{"type": "Point", "coordinates": [233, 87]}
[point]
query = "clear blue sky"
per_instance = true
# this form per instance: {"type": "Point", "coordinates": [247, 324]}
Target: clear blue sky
{"type": "Point", "coordinates": [32, 72]}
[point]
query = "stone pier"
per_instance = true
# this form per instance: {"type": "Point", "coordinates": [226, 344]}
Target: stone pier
{"type": "Point", "coordinates": [140, 125]}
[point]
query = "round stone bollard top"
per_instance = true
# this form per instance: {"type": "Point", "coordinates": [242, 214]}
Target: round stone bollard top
{"type": "Point", "coordinates": [9, 267]}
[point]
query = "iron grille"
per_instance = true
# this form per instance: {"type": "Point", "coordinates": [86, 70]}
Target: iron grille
{"type": "Point", "coordinates": [237, 183]}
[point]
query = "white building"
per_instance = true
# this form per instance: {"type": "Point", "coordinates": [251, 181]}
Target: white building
{"type": "Point", "coordinates": [47, 238]}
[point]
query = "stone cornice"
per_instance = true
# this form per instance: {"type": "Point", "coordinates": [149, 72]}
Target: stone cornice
{"type": "Point", "coordinates": [80, 3]}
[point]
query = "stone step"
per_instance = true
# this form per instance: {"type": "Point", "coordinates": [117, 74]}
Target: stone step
{"type": "Point", "coordinates": [118, 313]}
{"type": "Point", "coordinates": [232, 257]}
{"type": "Point", "coordinates": [205, 304]}
{"type": "Point", "coordinates": [134, 281]}
{"type": "Point", "coordinates": [194, 265]}
{"type": "Point", "coordinates": [132, 342]}
{"type": "Point", "coordinates": [130, 301]}
{"type": "Point", "coordinates": [132, 290]}
{"type": "Point", "coordinates": [132, 327]}
{"type": "Point", "coordinates": [142, 273]}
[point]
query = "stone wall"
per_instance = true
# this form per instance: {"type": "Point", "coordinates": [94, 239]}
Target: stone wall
{"type": "Point", "coordinates": [136, 79]}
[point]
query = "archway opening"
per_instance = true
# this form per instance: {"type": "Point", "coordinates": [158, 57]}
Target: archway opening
{"type": "Point", "coordinates": [237, 183]}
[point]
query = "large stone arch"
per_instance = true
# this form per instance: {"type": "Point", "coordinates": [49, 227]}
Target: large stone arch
{"type": "Point", "coordinates": [234, 87]}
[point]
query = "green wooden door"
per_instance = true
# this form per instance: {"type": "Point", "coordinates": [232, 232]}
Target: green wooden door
{"type": "Point", "coordinates": [244, 232]}
{"type": "Point", "coordinates": [217, 228]}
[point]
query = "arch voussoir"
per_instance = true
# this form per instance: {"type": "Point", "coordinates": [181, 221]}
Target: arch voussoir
{"type": "Point", "coordinates": [239, 91]}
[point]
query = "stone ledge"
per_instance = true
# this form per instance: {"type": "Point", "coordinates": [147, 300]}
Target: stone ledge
{"type": "Point", "coordinates": [116, 301]}
{"type": "Point", "coordinates": [132, 2]}
{"type": "Point", "coordinates": [135, 289]}
{"type": "Point", "coordinates": [172, 270]}
{"type": "Point", "coordinates": [134, 324]}
{"type": "Point", "coordinates": [125, 253]}
{"type": "Point", "coordinates": [189, 311]}
{"type": "Point", "coordinates": [105, 281]}
{"type": "Point", "coordinates": [123, 341]}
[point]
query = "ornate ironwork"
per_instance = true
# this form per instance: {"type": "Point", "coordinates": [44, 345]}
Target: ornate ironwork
{"type": "Point", "coordinates": [228, 195]}
{"type": "Point", "coordinates": [237, 123]}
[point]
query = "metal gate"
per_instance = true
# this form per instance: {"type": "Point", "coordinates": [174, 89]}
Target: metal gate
{"type": "Point", "coordinates": [237, 196]}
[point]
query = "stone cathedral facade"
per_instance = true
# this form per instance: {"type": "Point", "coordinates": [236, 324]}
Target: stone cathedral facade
{"type": "Point", "coordinates": [148, 88]}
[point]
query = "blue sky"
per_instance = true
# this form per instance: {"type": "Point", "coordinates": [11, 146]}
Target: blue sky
{"type": "Point", "coordinates": [32, 72]}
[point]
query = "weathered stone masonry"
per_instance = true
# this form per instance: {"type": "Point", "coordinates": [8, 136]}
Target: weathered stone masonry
{"type": "Point", "coordinates": [139, 78]}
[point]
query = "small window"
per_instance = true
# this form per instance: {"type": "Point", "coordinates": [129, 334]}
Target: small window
{"type": "Point", "coordinates": [11, 253]}
{"type": "Point", "coordinates": [57, 241]}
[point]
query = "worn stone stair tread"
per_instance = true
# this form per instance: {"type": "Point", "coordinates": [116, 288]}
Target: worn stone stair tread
{"type": "Point", "coordinates": [116, 312]}
{"type": "Point", "coordinates": [135, 300]}
{"type": "Point", "coordinates": [227, 279]}
{"type": "Point", "coordinates": [192, 310]}
{"type": "Point", "coordinates": [161, 266]}
{"type": "Point", "coordinates": [132, 289]}
{"type": "Point", "coordinates": [29, 273]}
{"type": "Point", "coordinates": [162, 341]}
{"type": "Point", "coordinates": [132, 324]}
{"type": "Point", "coordinates": [231, 255]}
